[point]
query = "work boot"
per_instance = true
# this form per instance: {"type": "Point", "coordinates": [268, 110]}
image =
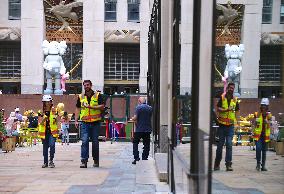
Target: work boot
{"type": "Point", "coordinates": [216, 166]}
{"type": "Point", "coordinates": [263, 168]}
{"type": "Point", "coordinates": [229, 167]}
{"type": "Point", "coordinates": [135, 160]}
{"type": "Point", "coordinates": [51, 164]}
{"type": "Point", "coordinates": [258, 167]}
{"type": "Point", "coordinates": [44, 165]}
{"type": "Point", "coordinates": [96, 164]}
{"type": "Point", "coordinates": [83, 164]}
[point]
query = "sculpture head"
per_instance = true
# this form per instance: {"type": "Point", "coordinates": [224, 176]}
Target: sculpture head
{"type": "Point", "coordinates": [234, 51]}
{"type": "Point", "coordinates": [54, 48]}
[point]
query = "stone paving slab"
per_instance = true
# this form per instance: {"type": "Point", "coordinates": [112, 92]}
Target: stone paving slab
{"type": "Point", "coordinates": [21, 172]}
{"type": "Point", "coordinates": [245, 178]}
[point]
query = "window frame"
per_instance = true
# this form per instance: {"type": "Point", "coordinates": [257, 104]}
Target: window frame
{"type": "Point", "coordinates": [114, 2]}
{"type": "Point", "coordinates": [131, 2]}
{"type": "Point", "coordinates": [14, 3]}
{"type": "Point", "coordinates": [267, 7]}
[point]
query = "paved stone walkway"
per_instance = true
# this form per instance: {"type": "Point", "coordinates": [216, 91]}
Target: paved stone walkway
{"type": "Point", "coordinates": [21, 172]}
{"type": "Point", "coordinates": [245, 179]}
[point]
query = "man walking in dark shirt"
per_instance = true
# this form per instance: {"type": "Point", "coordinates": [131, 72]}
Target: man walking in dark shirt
{"type": "Point", "coordinates": [142, 117]}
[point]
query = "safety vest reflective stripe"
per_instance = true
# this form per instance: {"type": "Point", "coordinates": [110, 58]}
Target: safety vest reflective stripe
{"type": "Point", "coordinates": [91, 117]}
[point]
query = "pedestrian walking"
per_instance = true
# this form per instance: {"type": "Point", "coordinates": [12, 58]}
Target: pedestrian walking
{"type": "Point", "coordinates": [142, 118]}
{"type": "Point", "coordinates": [261, 133]}
{"type": "Point", "coordinates": [228, 112]}
{"type": "Point", "coordinates": [89, 106]}
{"type": "Point", "coordinates": [48, 130]}
{"type": "Point", "coordinates": [65, 128]}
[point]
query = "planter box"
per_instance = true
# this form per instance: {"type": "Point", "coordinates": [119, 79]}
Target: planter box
{"type": "Point", "coordinates": [279, 148]}
{"type": "Point", "coordinates": [9, 144]}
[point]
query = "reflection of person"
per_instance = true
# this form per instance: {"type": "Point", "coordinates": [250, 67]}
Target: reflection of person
{"type": "Point", "coordinates": [142, 117]}
{"type": "Point", "coordinates": [261, 133]}
{"type": "Point", "coordinates": [65, 128]}
{"type": "Point", "coordinates": [228, 109]}
{"type": "Point", "coordinates": [48, 130]}
{"type": "Point", "coordinates": [90, 106]}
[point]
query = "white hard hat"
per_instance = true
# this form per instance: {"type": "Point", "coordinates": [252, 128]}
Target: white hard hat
{"type": "Point", "coordinates": [46, 98]}
{"type": "Point", "coordinates": [264, 101]}
{"type": "Point", "coordinates": [17, 109]}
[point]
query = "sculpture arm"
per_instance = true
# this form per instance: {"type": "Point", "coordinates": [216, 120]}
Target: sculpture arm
{"type": "Point", "coordinates": [46, 64]}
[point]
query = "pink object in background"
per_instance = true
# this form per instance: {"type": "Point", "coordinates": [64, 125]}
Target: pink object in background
{"type": "Point", "coordinates": [64, 77]}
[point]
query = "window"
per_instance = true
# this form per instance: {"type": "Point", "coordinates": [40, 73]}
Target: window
{"type": "Point", "coordinates": [267, 12]}
{"type": "Point", "coordinates": [133, 10]}
{"type": "Point", "coordinates": [282, 12]}
{"type": "Point", "coordinates": [14, 9]}
{"type": "Point", "coordinates": [122, 62]}
{"type": "Point", "coordinates": [110, 10]}
{"type": "Point", "coordinates": [270, 63]}
{"type": "Point", "coordinates": [10, 60]}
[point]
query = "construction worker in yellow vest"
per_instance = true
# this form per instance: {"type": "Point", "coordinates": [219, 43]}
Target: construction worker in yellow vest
{"type": "Point", "coordinates": [228, 112]}
{"type": "Point", "coordinates": [261, 133]}
{"type": "Point", "coordinates": [89, 107]}
{"type": "Point", "coordinates": [48, 130]}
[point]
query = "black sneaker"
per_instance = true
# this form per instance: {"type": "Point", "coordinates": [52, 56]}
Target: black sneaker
{"type": "Point", "coordinates": [83, 165]}
{"type": "Point", "coordinates": [216, 168]}
{"type": "Point", "coordinates": [135, 160]}
{"type": "Point", "coordinates": [263, 168]}
{"type": "Point", "coordinates": [96, 164]}
{"type": "Point", "coordinates": [257, 167]}
{"type": "Point", "coordinates": [229, 168]}
{"type": "Point", "coordinates": [51, 164]}
{"type": "Point", "coordinates": [44, 165]}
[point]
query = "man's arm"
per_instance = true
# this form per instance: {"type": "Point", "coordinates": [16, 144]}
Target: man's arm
{"type": "Point", "coordinates": [219, 106]}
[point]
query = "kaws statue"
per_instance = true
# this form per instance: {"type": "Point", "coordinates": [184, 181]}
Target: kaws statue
{"type": "Point", "coordinates": [233, 68]}
{"type": "Point", "coordinates": [54, 65]}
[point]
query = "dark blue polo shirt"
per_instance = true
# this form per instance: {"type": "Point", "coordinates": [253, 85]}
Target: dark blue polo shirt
{"type": "Point", "coordinates": [144, 114]}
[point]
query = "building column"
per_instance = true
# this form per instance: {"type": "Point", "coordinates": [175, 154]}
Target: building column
{"type": "Point", "coordinates": [93, 43]}
{"type": "Point", "coordinates": [249, 78]}
{"type": "Point", "coordinates": [165, 25]}
{"type": "Point", "coordinates": [32, 25]}
{"type": "Point", "coordinates": [144, 23]}
{"type": "Point", "coordinates": [186, 46]}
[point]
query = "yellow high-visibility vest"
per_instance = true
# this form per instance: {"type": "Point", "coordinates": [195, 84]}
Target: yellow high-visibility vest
{"type": "Point", "coordinates": [88, 114]}
{"type": "Point", "coordinates": [52, 124]}
{"type": "Point", "coordinates": [258, 128]}
{"type": "Point", "coordinates": [228, 118]}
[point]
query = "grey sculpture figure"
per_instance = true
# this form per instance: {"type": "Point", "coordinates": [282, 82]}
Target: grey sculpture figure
{"type": "Point", "coordinates": [54, 66]}
{"type": "Point", "coordinates": [233, 68]}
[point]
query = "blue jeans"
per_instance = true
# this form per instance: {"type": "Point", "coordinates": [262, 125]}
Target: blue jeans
{"type": "Point", "coordinates": [225, 133]}
{"type": "Point", "coordinates": [90, 130]}
{"type": "Point", "coordinates": [48, 142]}
{"type": "Point", "coordinates": [261, 147]}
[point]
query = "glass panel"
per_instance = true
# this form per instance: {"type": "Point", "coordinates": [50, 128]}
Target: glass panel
{"type": "Point", "coordinates": [133, 12]}
{"type": "Point", "coordinates": [122, 62]}
{"type": "Point", "coordinates": [14, 9]}
{"type": "Point", "coordinates": [110, 11]}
